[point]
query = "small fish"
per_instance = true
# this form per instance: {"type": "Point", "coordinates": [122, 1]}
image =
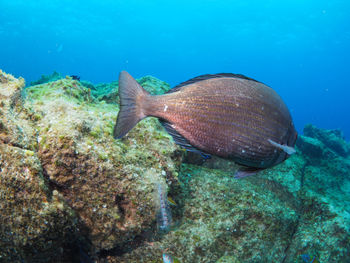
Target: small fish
{"type": "Point", "coordinates": [164, 218]}
{"type": "Point", "coordinates": [306, 258]}
{"type": "Point", "coordinates": [167, 258]}
{"type": "Point", "coordinates": [75, 77]}
{"type": "Point", "coordinates": [171, 201]}
{"type": "Point", "coordinates": [227, 115]}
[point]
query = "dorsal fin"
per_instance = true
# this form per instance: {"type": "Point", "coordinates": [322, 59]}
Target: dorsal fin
{"type": "Point", "coordinates": [209, 76]}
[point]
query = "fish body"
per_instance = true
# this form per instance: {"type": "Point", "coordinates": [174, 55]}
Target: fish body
{"type": "Point", "coordinates": [171, 201]}
{"type": "Point", "coordinates": [226, 115]}
{"type": "Point", "coordinates": [167, 258]}
{"type": "Point", "coordinates": [164, 218]}
{"type": "Point", "coordinates": [306, 258]}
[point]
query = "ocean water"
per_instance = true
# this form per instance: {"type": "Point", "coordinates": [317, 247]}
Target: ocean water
{"type": "Point", "coordinates": [299, 48]}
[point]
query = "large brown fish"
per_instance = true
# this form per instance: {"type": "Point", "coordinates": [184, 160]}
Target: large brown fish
{"type": "Point", "coordinates": [228, 115]}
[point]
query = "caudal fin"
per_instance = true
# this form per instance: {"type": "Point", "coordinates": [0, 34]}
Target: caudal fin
{"type": "Point", "coordinates": [132, 96]}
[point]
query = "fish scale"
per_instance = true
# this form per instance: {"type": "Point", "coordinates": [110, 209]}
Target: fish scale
{"type": "Point", "coordinates": [201, 124]}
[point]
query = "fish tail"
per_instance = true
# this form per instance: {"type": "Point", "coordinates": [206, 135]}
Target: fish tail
{"type": "Point", "coordinates": [132, 97]}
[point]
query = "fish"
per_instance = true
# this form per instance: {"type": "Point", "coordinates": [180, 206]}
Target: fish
{"type": "Point", "coordinates": [306, 258]}
{"type": "Point", "coordinates": [227, 115]}
{"type": "Point", "coordinates": [164, 218]}
{"type": "Point", "coordinates": [171, 201]}
{"type": "Point", "coordinates": [167, 258]}
{"type": "Point", "coordinates": [75, 77]}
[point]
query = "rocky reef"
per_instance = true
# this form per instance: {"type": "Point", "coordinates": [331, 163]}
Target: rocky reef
{"type": "Point", "coordinates": [71, 193]}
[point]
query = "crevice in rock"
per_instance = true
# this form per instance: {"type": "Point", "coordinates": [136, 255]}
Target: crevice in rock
{"type": "Point", "coordinates": [128, 246]}
{"type": "Point", "coordinates": [300, 212]}
{"type": "Point", "coordinates": [7, 141]}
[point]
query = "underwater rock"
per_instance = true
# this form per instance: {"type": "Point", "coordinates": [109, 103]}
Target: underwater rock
{"type": "Point", "coordinates": [102, 179]}
{"type": "Point", "coordinates": [106, 185]}
{"type": "Point", "coordinates": [275, 216]}
{"type": "Point", "coordinates": [47, 78]}
{"type": "Point", "coordinates": [333, 139]}
{"type": "Point", "coordinates": [70, 191]}
{"type": "Point", "coordinates": [108, 92]}
{"type": "Point", "coordinates": [104, 91]}
{"type": "Point", "coordinates": [153, 85]}
{"type": "Point", "coordinates": [250, 220]}
{"type": "Point", "coordinates": [311, 147]}
{"type": "Point", "coordinates": [36, 224]}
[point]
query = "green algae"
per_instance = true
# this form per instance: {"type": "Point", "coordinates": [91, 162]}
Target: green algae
{"type": "Point", "coordinates": [87, 186]}
{"type": "Point", "coordinates": [47, 78]}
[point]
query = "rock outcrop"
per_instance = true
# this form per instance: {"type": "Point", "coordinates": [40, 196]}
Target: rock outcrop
{"type": "Point", "coordinates": [71, 193]}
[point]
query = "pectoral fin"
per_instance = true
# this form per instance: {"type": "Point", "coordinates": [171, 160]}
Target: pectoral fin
{"type": "Point", "coordinates": [289, 150]}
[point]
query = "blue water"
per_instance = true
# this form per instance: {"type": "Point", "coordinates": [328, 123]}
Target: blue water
{"type": "Point", "coordinates": [299, 48]}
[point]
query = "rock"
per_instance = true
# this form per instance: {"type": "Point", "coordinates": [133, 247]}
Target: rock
{"type": "Point", "coordinates": [311, 147]}
{"type": "Point", "coordinates": [105, 91]}
{"type": "Point", "coordinates": [81, 158]}
{"type": "Point", "coordinates": [108, 92]}
{"type": "Point", "coordinates": [47, 78]}
{"type": "Point", "coordinates": [71, 193]}
{"type": "Point", "coordinates": [277, 215]}
{"type": "Point", "coordinates": [105, 187]}
{"type": "Point", "coordinates": [37, 225]}
{"type": "Point", "coordinates": [153, 85]}
{"type": "Point", "coordinates": [333, 139]}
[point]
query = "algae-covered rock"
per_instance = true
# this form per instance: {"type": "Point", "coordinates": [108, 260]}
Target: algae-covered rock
{"type": "Point", "coordinates": [14, 128]}
{"type": "Point", "coordinates": [333, 139]}
{"type": "Point", "coordinates": [311, 147]}
{"type": "Point", "coordinates": [105, 186]}
{"type": "Point", "coordinates": [108, 92]}
{"type": "Point", "coordinates": [36, 225]}
{"type": "Point", "coordinates": [71, 193]}
{"type": "Point", "coordinates": [283, 212]}
{"type": "Point", "coordinates": [228, 259]}
{"type": "Point", "coordinates": [47, 78]}
{"type": "Point", "coordinates": [91, 169]}
{"type": "Point", "coordinates": [249, 220]}
{"type": "Point", "coordinates": [153, 85]}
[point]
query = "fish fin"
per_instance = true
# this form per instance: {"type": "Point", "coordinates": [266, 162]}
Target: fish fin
{"type": "Point", "coordinates": [182, 141]}
{"type": "Point", "coordinates": [171, 201]}
{"type": "Point", "coordinates": [287, 149]}
{"type": "Point", "coordinates": [205, 156]}
{"type": "Point", "coordinates": [209, 76]}
{"type": "Point", "coordinates": [241, 173]}
{"type": "Point", "coordinates": [132, 96]}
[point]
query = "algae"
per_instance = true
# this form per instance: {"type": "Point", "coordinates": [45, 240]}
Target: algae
{"type": "Point", "coordinates": [67, 186]}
